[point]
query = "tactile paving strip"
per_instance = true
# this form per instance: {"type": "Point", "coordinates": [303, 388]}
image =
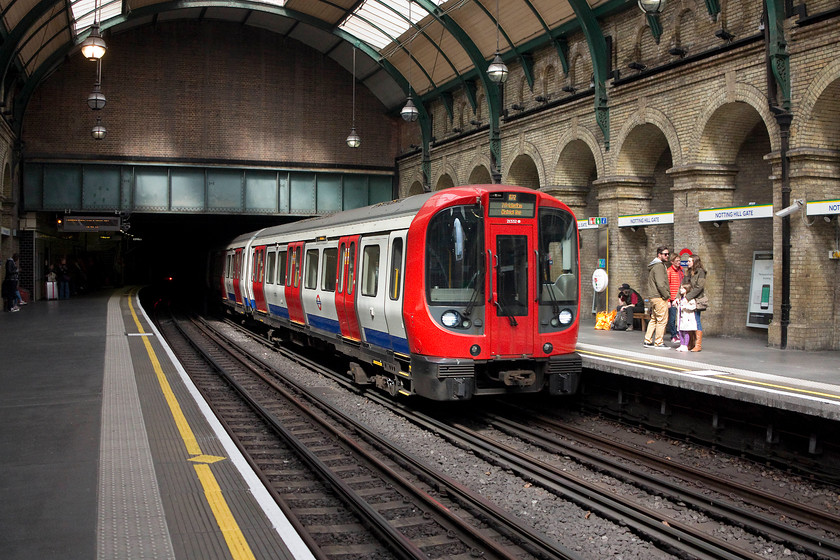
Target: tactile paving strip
{"type": "Point", "coordinates": [131, 522]}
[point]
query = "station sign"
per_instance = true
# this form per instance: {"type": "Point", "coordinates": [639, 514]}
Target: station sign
{"type": "Point", "coordinates": [593, 222]}
{"type": "Point", "coordinates": [822, 207]}
{"type": "Point", "coordinates": [748, 212]}
{"type": "Point", "coordinates": [640, 220]}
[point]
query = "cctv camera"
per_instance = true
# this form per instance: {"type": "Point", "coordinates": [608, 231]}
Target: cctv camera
{"type": "Point", "coordinates": [797, 204]}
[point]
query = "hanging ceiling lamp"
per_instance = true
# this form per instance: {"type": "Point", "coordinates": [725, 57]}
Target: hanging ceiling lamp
{"type": "Point", "coordinates": [497, 70]}
{"type": "Point", "coordinates": [94, 47]}
{"type": "Point", "coordinates": [96, 100]}
{"type": "Point", "coordinates": [354, 140]}
{"type": "Point", "coordinates": [409, 113]}
{"type": "Point", "coordinates": [98, 131]}
{"type": "Point", "coordinates": [652, 7]}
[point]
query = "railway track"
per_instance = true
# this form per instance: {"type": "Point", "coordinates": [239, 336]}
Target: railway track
{"type": "Point", "coordinates": [349, 493]}
{"type": "Point", "coordinates": [805, 530]}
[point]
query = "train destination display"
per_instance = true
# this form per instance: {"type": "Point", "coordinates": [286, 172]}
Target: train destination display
{"type": "Point", "coordinates": [512, 205]}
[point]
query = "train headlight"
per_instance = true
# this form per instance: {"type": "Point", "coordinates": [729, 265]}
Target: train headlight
{"type": "Point", "coordinates": [565, 317]}
{"type": "Point", "coordinates": [548, 347]}
{"type": "Point", "coordinates": [450, 319]}
{"type": "Point", "coordinates": [475, 349]}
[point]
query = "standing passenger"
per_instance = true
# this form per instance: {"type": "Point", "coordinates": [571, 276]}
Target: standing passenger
{"type": "Point", "coordinates": [659, 293]}
{"type": "Point", "coordinates": [63, 274]}
{"type": "Point", "coordinates": [10, 284]}
{"type": "Point", "coordinates": [675, 278]}
{"type": "Point", "coordinates": [697, 279]}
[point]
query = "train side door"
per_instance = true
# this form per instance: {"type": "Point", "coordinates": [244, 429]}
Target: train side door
{"type": "Point", "coordinates": [394, 298]}
{"type": "Point", "coordinates": [372, 291]}
{"type": "Point", "coordinates": [258, 278]}
{"type": "Point", "coordinates": [293, 282]}
{"type": "Point", "coordinates": [345, 294]}
{"type": "Point", "coordinates": [275, 282]}
{"type": "Point", "coordinates": [237, 273]}
{"type": "Point", "coordinates": [508, 321]}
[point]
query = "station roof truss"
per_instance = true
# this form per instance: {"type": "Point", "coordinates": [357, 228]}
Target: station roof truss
{"type": "Point", "coordinates": [446, 44]}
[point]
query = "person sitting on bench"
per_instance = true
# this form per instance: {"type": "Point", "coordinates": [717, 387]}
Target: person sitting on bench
{"type": "Point", "coordinates": [630, 302]}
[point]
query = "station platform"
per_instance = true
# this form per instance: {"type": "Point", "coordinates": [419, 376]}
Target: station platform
{"type": "Point", "coordinates": [741, 369]}
{"type": "Point", "coordinates": [108, 451]}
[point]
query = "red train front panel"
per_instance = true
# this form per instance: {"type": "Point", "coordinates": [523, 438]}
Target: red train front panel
{"type": "Point", "coordinates": [493, 301]}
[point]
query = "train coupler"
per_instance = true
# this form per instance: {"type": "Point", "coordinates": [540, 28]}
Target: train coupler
{"type": "Point", "coordinates": [518, 377]}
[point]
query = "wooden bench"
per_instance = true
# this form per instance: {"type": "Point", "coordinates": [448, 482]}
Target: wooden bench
{"type": "Point", "coordinates": [643, 317]}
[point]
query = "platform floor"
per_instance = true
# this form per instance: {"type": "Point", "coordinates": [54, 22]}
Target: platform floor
{"type": "Point", "coordinates": [742, 369]}
{"type": "Point", "coordinates": [107, 451]}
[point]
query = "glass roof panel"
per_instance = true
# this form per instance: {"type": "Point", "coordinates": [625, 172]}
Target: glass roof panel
{"type": "Point", "coordinates": [380, 22]}
{"type": "Point", "coordinates": [83, 11]}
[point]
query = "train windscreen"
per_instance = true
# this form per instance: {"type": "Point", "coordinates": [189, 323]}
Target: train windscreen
{"type": "Point", "coordinates": [559, 256]}
{"type": "Point", "coordinates": [454, 256]}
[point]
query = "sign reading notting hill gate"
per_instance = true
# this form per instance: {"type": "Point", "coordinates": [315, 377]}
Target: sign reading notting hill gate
{"type": "Point", "coordinates": [640, 220]}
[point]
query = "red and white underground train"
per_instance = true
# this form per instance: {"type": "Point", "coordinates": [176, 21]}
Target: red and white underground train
{"type": "Point", "coordinates": [467, 291]}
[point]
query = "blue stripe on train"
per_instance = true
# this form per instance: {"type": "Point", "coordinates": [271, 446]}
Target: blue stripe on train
{"type": "Point", "coordinates": [278, 310]}
{"type": "Point", "coordinates": [323, 324]}
{"type": "Point", "coordinates": [385, 340]}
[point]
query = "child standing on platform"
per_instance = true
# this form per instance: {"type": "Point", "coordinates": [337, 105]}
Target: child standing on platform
{"type": "Point", "coordinates": [687, 320]}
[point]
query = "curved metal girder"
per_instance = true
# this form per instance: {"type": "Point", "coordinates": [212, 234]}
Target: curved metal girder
{"type": "Point", "coordinates": [779, 56]}
{"type": "Point", "coordinates": [600, 63]}
{"type": "Point", "coordinates": [10, 44]}
{"type": "Point", "coordinates": [22, 98]}
{"type": "Point", "coordinates": [494, 97]}
{"type": "Point", "coordinates": [513, 51]}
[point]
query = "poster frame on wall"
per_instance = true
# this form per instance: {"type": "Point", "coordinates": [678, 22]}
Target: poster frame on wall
{"type": "Point", "coordinates": [760, 302]}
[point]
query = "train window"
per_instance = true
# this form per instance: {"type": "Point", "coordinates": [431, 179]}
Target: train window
{"type": "Point", "coordinates": [351, 268]}
{"type": "Point", "coordinates": [512, 275]}
{"type": "Point", "coordinates": [227, 267]}
{"type": "Point", "coordinates": [281, 269]}
{"type": "Point", "coordinates": [455, 256]}
{"type": "Point", "coordinates": [370, 271]}
{"type": "Point", "coordinates": [328, 269]}
{"type": "Point", "coordinates": [311, 280]}
{"type": "Point", "coordinates": [396, 268]}
{"type": "Point", "coordinates": [558, 268]}
{"type": "Point", "coordinates": [293, 278]}
{"type": "Point", "coordinates": [269, 267]}
{"type": "Point", "coordinates": [258, 270]}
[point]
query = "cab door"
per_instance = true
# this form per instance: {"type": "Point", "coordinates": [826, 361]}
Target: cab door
{"type": "Point", "coordinates": [293, 282]}
{"type": "Point", "coordinates": [509, 320]}
{"type": "Point", "coordinates": [345, 293]}
{"type": "Point", "coordinates": [372, 290]}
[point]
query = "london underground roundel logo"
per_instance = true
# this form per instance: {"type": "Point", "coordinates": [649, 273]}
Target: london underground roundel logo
{"type": "Point", "coordinates": [318, 301]}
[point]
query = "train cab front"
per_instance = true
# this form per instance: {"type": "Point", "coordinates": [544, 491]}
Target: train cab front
{"type": "Point", "coordinates": [499, 309]}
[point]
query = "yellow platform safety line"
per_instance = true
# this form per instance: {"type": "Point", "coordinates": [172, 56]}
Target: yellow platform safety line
{"type": "Point", "coordinates": [785, 387]}
{"type": "Point", "coordinates": [236, 542]}
{"type": "Point", "coordinates": [626, 359]}
{"type": "Point", "coordinates": [722, 376]}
